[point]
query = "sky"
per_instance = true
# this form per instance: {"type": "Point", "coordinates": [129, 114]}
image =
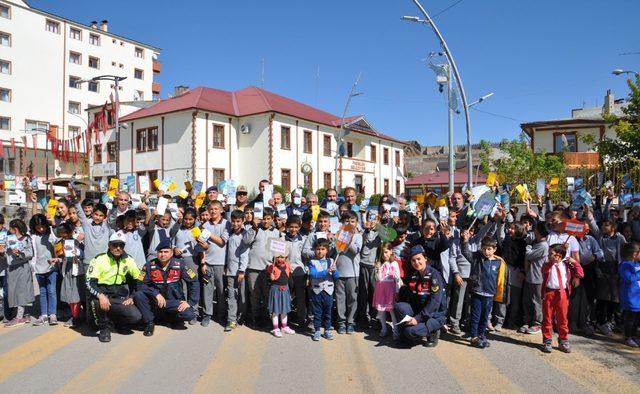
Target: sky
{"type": "Point", "coordinates": [540, 58]}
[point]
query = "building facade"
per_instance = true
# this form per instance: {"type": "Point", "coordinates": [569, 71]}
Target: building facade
{"type": "Point", "coordinates": [42, 58]}
{"type": "Point", "coordinates": [252, 134]}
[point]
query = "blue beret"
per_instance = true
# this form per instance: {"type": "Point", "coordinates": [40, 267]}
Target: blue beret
{"type": "Point", "coordinates": [163, 245]}
{"type": "Point", "coordinates": [418, 249]}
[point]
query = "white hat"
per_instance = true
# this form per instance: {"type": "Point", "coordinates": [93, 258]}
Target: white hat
{"type": "Point", "coordinates": [118, 237]}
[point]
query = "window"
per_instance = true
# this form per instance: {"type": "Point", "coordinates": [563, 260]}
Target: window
{"type": "Point", "coordinates": [308, 142]}
{"type": "Point", "coordinates": [375, 185]}
{"type": "Point", "coordinates": [285, 137]}
{"type": "Point", "coordinates": [11, 165]}
{"type": "Point", "coordinates": [141, 140]}
{"type": "Point", "coordinates": [74, 131]}
{"type": "Point", "coordinates": [94, 62]}
{"type": "Point", "coordinates": [357, 182]}
{"type": "Point", "coordinates": [397, 187]}
{"type": "Point", "coordinates": [285, 179]}
{"type": "Point", "coordinates": [565, 142]}
{"type": "Point", "coordinates": [74, 107]}
{"type": "Point", "coordinates": [52, 26]}
{"type": "Point", "coordinates": [94, 39]}
{"type": "Point", "coordinates": [308, 181]}
{"type": "Point", "coordinates": [326, 145]}
{"type": "Point", "coordinates": [5, 123]}
{"type": "Point", "coordinates": [374, 153]}
{"type": "Point", "coordinates": [385, 156]}
{"type": "Point", "coordinates": [152, 139]}
{"type": "Point", "coordinates": [397, 154]}
{"type": "Point", "coordinates": [75, 58]}
{"type": "Point", "coordinates": [94, 86]}
{"type": "Point", "coordinates": [76, 34]}
{"type": "Point", "coordinates": [138, 74]}
{"type": "Point", "coordinates": [349, 149]}
{"type": "Point", "coordinates": [326, 180]}
{"type": "Point", "coordinates": [35, 125]}
{"type": "Point", "coordinates": [386, 186]}
{"type": "Point", "coordinates": [5, 39]}
{"type": "Point", "coordinates": [112, 152]}
{"type": "Point", "coordinates": [218, 136]}
{"type": "Point", "coordinates": [73, 82]}
{"type": "Point", "coordinates": [5, 11]}
{"type": "Point", "coordinates": [139, 52]}
{"type": "Point", "coordinates": [5, 95]}
{"type": "Point", "coordinates": [97, 153]}
{"type": "Point", "coordinates": [138, 96]}
{"type": "Point", "coordinates": [218, 175]}
{"type": "Point", "coordinates": [5, 67]}
{"type": "Point", "coordinates": [153, 175]}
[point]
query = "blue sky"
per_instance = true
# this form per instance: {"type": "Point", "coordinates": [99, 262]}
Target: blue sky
{"type": "Point", "coordinates": [541, 58]}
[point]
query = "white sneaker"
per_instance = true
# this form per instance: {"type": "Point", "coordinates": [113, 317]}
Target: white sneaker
{"type": "Point", "coordinates": [288, 330]}
{"type": "Point", "coordinates": [277, 333]}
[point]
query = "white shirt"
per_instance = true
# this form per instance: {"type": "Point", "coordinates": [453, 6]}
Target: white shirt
{"type": "Point", "coordinates": [572, 244]}
{"type": "Point", "coordinates": [554, 281]}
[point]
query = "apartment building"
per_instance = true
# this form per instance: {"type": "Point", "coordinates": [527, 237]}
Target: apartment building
{"type": "Point", "coordinates": [42, 59]}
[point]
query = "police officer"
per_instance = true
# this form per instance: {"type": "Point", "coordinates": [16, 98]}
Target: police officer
{"type": "Point", "coordinates": [160, 290]}
{"type": "Point", "coordinates": [423, 311]}
{"type": "Point", "coordinates": [110, 278]}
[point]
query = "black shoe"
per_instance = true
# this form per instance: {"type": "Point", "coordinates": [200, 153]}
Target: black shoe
{"type": "Point", "coordinates": [105, 335]}
{"type": "Point", "coordinates": [178, 325]}
{"type": "Point", "coordinates": [148, 329]}
{"type": "Point", "coordinates": [206, 320]}
{"type": "Point", "coordinates": [432, 340]}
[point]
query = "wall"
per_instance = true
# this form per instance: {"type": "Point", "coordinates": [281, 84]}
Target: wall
{"type": "Point", "coordinates": [544, 139]}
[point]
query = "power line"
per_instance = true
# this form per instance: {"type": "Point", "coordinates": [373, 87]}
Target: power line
{"type": "Point", "coordinates": [497, 115]}
{"type": "Point", "coordinates": [448, 8]}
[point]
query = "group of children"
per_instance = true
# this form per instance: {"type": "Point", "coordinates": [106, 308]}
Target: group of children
{"type": "Point", "coordinates": [526, 273]}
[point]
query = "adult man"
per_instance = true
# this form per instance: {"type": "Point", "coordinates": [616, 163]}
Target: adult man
{"type": "Point", "coordinates": [457, 205]}
{"type": "Point", "coordinates": [424, 304]}
{"type": "Point", "coordinates": [121, 207]}
{"type": "Point", "coordinates": [212, 266]}
{"type": "Point", "coordinates": [242, 197]}
{"type": "Point", "coordinates": [212, 194]}
{"type": "Point", "coordinates": [109, 280]}
{"type": "Point", "coordinates": [160, 290]}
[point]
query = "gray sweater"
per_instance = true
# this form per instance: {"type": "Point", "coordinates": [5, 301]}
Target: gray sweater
{"type": "Point", "coordinates": [370, 244]}
{"type": "Point", "coordinates": [96, 236]}
{"type": "Point", "coordinates": [348, 262]}
{"type": "Point", "coordinates": [43, 251]}
{"type": "Point", "coordinates": [308, 248]}
{"type": "Point", "coordinates": [536, 254]}
{"type": "Point", "coordinates": [256, 239]}
{"type": "Point", "coordinates": [215, 255]}
{"type": "Point", "coordinates": [134, 247]}
{"type": "Point", "coordinates": [237, 255]}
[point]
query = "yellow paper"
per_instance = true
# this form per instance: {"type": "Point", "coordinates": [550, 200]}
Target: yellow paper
{"type": "Point", "coordinates": [51, 207]}
{"type": "Point", "coordinates": [183, 194]}
{"type": "Point", "coordinates": [491, 179]}
{"type": "Point", "coordinates": [196, 232]}
{"type": "Point", "coordinates": [156, 183]}
{"type": "Point", "coordinates": [553, 184]}
{"type": "Point", "coordinates": [441, 202]}
{"type": "Point", "coordinates": [315, 211]}
{"type": "Point", "coordinates": [172, 186]}
{"type": "Point", "coordinates": [200, 199]}
{"type": "Point", "coordinates": [187, 185]}
{"type": "Point", "coordinates": [420, 199]}
{"type": "Point", "coordinates": [114, 183]}
{"type": "Point", "coordinates": [524, 194]}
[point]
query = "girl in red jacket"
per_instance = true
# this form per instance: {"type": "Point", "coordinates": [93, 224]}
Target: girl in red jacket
{"type": "Point", "coordinates": [559, 276]}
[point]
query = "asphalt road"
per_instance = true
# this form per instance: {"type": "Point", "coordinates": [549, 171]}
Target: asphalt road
{"type": "Point", "coordinates": [48, 359]}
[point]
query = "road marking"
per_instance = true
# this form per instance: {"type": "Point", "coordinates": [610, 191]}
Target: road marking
{"type": "Point", "coordinates": [584, 370]}
{"type": "Point", "coordinates": [473, 371]}
{"type": "Point", "coordinates": [349, 366]}
{"type": "Point", "coordinates": [32, 352]}
{"type": "Point", "coordinates": [120, 361]}
{"type": "Point", "coordinates": [236, 364]}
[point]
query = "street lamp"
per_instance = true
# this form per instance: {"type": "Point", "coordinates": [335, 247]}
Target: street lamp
{"type": "Point", "coordinates": [619, 71]}
{"type": "Point", "coordinates": [342, 132]}
{"type": "Point", "coordinates": [481, 99]}
{"type": "Point", "coordinates": [428, 21]}
{"type": "Point", "coordinates": [116, 80]}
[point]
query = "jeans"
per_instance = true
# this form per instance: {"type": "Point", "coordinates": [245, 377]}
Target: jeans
{"type": "Point", "coordinates": [48, 296]}
{"type": "Point", "coordinates": [480, 312]}
{"type": "Point", "coordinates": [321, 305]}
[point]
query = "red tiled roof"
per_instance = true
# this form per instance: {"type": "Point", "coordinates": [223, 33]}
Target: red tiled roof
{"type": "Point", "coordinates": [442, 178]}
{"type": "Point", "coordinates": [245, 102]}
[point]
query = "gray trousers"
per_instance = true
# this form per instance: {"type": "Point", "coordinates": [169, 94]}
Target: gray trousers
{"type": "Point", "coordinates": [514, 309]}
{"type": "Point", "coordinates": [456, 302]}
{"type": "Point", "coordinates": [346, 299]}
{"type": "Point", "coordinates": [532, 304]}
{"type": "Point", "coordinates": [215, 287]}
{"type": "Point", "coordinates": [258, 292]}
{"type": "Point", "coordinates": [366, 288]}
{"type": "Point", "coordinates": [235, 300]}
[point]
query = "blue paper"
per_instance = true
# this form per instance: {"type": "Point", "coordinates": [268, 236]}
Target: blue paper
{"type": "Point", "coordinates": [196, 187]}
{"type": "Point", "coordinates": [627, 183]}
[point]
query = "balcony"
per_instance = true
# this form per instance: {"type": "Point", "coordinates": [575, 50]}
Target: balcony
{"type": "Point", "coordinates": [157, 67]}
{"type": "Point", "coordinates": [155, 88]}
{"type": "Point", "coordinates": [588, 160]}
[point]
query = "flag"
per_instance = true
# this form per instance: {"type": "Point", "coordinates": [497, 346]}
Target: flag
{"type": "Point", "coordinates": [34, 140]}
{"type": "Point", "coordinates": [24, 143]}
{"type": "Point", "coordinates": [1, 148]}
{"type": "Point", "coordinates": [13, 146]}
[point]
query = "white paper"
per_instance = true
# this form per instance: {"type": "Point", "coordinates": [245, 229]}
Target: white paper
{"type": "Point", "coordinates": [278, 247]}
{"type": "Point", "coordinates": [394, 212]}
{"type": "Point", "coordinates": [258, 210]}
{"type": "Point", "coordinates": [204, 235]}
{"type": "Point", "coordinates": [267, 194]}
{"type": "Point", "coordinates": [541, 186]}
{"type": "Point", "coordinates": [136, 200]}
{"type": "Point", "coordinates": [404, 320]}
{"type": "Point", "coordinates": [321, 235]}
{"type": "Point", "coordinates": [332, 207]}
{"type": "Point", "coordinates": [413, 206]}
{"type": "Point", "coordinates": [145, 186]}
{"type": "Point", "coordinates": [69, 247]}
{"type": "Point", "coordinates": [570, 183]}
{"type": "Point", "coordinates": [334, 224]}
{"type": "Point", "coordinates": [443, 212]}
{"type": "Point", "coordinates": [162, 205]}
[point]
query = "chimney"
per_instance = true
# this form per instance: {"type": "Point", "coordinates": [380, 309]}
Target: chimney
{"type": "Point", "coordinates": [104, 25]}
{"type": "Point", "coordinates": [609, 103]}
{"type": "Point", "coordinates": [94, 24]}
{"type": "Point", "coordinates": [180, 89]}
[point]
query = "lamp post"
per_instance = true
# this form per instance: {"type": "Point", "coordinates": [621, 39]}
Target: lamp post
{"type": "Point", "coordinates": [619, 71]}
{"type": "Point", "coordinates": [456, 74]}
{"type": "Point", "coordinates": [116, 80]}
{"type": "Point", "coordinates": [341, 133]}
{"type": "Point", "coordinates": [39, 130]}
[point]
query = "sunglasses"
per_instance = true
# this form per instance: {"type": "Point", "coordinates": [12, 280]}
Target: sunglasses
{"type": "Point", "coordinates": [117, 245]}
{"type": "Point", "coordinates": [241, 193]}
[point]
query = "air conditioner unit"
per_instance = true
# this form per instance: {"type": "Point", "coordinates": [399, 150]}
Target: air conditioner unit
{"type": "Point", "coordinates": [245, 128]}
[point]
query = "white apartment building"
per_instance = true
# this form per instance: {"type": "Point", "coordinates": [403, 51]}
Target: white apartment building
{"type": "Point", "coordinates": [42, 56]}
{"type": "Point", "coordinates": [252, 134]}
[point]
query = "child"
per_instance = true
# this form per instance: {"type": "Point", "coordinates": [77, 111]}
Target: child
{"type": "Point", "coordinates": [161, 231]}
{"type": "Point", "coordinates": [322, 273]}
{"type": "Point", "coordinates": [557, 274]}
{"type": "Point", "coordinates": [96, 230]}
{"type": "Point", "coordinates": [17, 253]}
{"type": "Point", "coordinates": [384, 296]}
{"type": "Point", "coordinates": [607, 277]}
{"type": "Point", "coordinates": [366, 281]}
{"type": "Point", "coordinates": [348, 264]}
{"type": "Point", "coordinates": [3, 277]}
{"type": "Point", "coordinates": [279, 296]}
{"type": "Point", "coordinates": [134, 232]}
{"type": "Point", "coordinates": [299, 271]}
{"type": "Point", "coordinates": [629, 271]}
{"type": "Point", "coordinates": [45, 268]}
{"type": "Point", "coordinates": [536, 255]}
{"type": "Point", "coordinates": [236, 262]}
{"type": "Point", "coordinates": [489, 277]}
{"type": "Point", "coordinates": [73, 282]}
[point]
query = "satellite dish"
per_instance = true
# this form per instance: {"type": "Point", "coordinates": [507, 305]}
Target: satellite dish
{"type": "Point", "coordinates": [245, 128]}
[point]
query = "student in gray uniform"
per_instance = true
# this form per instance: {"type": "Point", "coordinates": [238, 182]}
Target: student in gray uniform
{"type": "Point", "coordinates": [134, 233]}
{"type": "Point", "coordinates": [163, 229]}
{"type": "Point", "coordinates": [608, 296]}
{"type": "Point", "coordinates": [348, 264]}
{"type": "Point", "coordinates": [535, 256]}
{"type": "Point", "coordinates": [366, 281]}
{"type": "Point", "coordinates": [184, 246]}
{"type": "Point", "coordinates": [45, 268]}
{"type": "Point", "coordinates": [322, 231]}
{"type": "Point", "coordinates": [299, 270]}
{"type": "Point", "coordinates": [256, 239]}
{"type": "Point", "coordinates": [16, 256]}
{"type": "Point", "coordinates": [212, 268]}
{"type": "Point", "coordinates": [237, 259]}
{"type": "Point", "coordinates": [96, 230]}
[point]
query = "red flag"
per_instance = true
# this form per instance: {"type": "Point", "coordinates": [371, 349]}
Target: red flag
{"type": "Point", "coordinates": [24, 143]}
{"type": "Point", "coordinates": [13, 146]}
{"type": "Point", "coordinates": [1, 148]}
{"type": "Point", "coordinates": [34, 140]}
